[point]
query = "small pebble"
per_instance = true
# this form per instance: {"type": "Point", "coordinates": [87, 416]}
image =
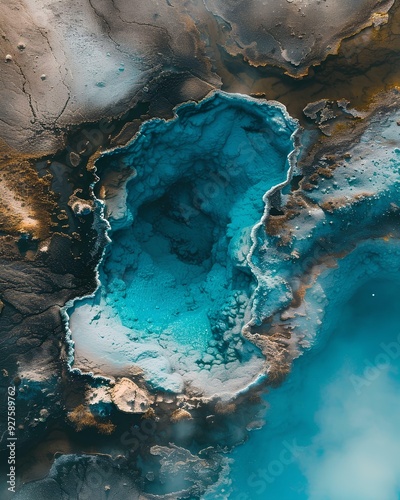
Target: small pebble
{"type": "Point", "coordinates": [43, 77]}
{"type": "Point", "coordinates": [8, 57]}
{"type": "Point", "coordinates": [21, 46]}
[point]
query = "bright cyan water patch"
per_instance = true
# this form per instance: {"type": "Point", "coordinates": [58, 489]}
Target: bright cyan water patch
{"type": "Point", "coordinates": [176, 278]}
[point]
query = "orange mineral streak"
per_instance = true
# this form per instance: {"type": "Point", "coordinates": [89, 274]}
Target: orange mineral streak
{"type": "Point", "coordinates": [26, 200]}
{"type": "Point", "coordinates": [366, 64]}
{"type": "Point", "coordinates": [82, 418]}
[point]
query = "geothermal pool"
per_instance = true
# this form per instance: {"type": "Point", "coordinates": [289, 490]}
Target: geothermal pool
{"type": "Point", "coordinates": [176, 281]}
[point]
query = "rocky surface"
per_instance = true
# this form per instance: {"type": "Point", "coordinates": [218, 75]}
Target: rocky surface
{"type": "Point", "coordinates": [130, 398]}
{"type": "Point", "coordinates": [348, 194]}
{"type": "Point", "coordinates": [68, 64]}
{"type": "Point", "coordinates": [64, 68]}
{"type": "Point", "coordinates": [77, 62]}
{"type": "Point", "coordinates": [292, 33]}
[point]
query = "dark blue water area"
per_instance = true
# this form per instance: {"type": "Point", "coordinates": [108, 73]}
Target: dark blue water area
{"type": "Point", "coordinates": [332, 428]}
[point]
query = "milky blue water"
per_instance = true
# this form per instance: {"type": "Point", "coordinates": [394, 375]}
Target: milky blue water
{"type": "Point", "coordinates": [332, 428]}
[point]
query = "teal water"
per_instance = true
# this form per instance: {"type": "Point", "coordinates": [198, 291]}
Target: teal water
{"type": "Point", "coordinates": [332, 428]}
{"type": "Point", "coordinates": [176, 272]}
{"type": "Point", "coordinates": [191, 264]}
{"type": "Point", "coordinates": [197, 194]}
